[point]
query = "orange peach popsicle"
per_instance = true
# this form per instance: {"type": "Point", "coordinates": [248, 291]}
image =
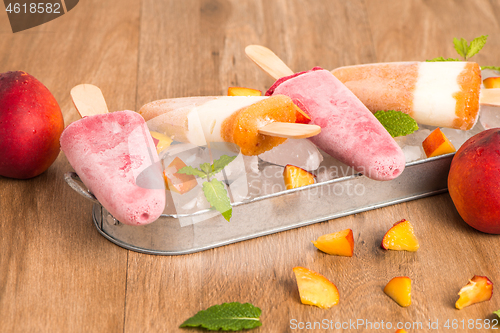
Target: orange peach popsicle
{"type": "Point", "coordinates": [443, 94]}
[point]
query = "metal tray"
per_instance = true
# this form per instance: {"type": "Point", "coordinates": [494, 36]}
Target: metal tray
{"type": "Point", "coordinates": [271, 213]}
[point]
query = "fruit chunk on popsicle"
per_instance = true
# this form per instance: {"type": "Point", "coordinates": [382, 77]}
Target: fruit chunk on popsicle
{"type": "Point", "coordinates": [233, 119]}
{"type": "Point", "coordinates": [349, 131]}
{"type": "Point", "coordinates": [109, 151]}
{"type": "Point", "coordinates": [443, 94]}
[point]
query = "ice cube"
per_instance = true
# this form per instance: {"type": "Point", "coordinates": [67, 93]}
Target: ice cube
{"type": "Point", "coordinates": [489, 116]}
{"type": "Point", "coordinates": [299, 152]}
{"type": "Point", "coordinates": [413, 153]}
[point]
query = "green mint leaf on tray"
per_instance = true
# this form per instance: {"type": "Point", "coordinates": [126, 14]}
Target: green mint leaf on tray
{"type": "Point", "coordinates": [189, 170]}
{"type": "Point", "coordinates": [216, 195]}
{"type": "Point", "coordinates": [475, 46]}
{"type": "Point", "coordinates": [495, 68]}
{"type": "Point", "coordinates": [227, 317]}
{"type": "Point", "coordinates": [442, 59]}
{"type": "Point", "coordinates": [397, 123]}
{"type": "Point", "coordinates": [461, 46]}
{"type": "Point", "coordinates": [497, 312]}
{"type": "Point", "coordinates": [221, 163]}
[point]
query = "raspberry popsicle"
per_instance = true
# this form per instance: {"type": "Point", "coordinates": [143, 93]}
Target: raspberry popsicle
{"type": "Point", "coordinates": [231, 119]}
{"type": "Point", "coordinates": [109, 152]}
{"type": "Point", "coordinates": [349, 131]}
{"type": "Point", "coordinates": [444, 94]}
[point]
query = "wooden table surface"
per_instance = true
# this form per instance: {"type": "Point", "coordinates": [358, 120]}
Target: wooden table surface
{"type": "Point", "coordinates": [58, 274]}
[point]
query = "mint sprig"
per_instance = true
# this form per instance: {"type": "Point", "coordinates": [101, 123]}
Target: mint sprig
{"type": "Point", "coordinates": [227, 317]}
{"type": "Point", "coordinates": [467, 50]}
{"type": "Point", "coordinates": [214, 190]}
{"type": "Point", "coordinates": [396, 123]}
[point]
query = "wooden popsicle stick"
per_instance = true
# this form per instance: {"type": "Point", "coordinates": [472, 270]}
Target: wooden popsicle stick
{"type": "Point", "coordinates": [290, 130]}
{"type": "Point", "coordinates": [490, 96]}
{"type": "Point", "coordinates": [88, 100]}
{"type": "Point", "coordinates": [268, 61]}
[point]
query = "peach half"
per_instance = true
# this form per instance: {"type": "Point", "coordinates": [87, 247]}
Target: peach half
{"type": "Point", "coordinates": [479, 289]}
{"type": "Point", "coordinates": [400, 237]}
{"type": "Point", "coordinates": [339, 243]}
{"type": "Point", "coordinates": [315, 289]}
{"type": "Point", "coordinates": [399, 289]}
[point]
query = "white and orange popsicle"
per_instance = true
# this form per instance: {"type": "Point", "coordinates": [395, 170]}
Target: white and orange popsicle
{"type": "Point", "coordinates": [443, 94]}
{"type": "Point", "coordinates": [109, 152]}
{"type": "Point", "coordinates": [349, 131]}
{"type": "Point", "coordinates": [230, 119]}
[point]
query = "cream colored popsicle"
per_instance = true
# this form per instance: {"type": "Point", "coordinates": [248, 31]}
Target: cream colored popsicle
{"type": "Point", "coordinates": [232, 119]}
{"type": "Point", "coordinates": [444, 94]}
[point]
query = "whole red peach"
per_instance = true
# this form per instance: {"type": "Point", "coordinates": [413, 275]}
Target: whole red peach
{"type": "Point", "coordinates": [31, 123]}
{"type": "Point", "coordinates": [474, 181]}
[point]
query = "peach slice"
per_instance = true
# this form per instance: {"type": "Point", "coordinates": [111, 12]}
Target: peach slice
{"type": "Point", "coordinates": [401, 331]}
{"type": "Point", "coordinates": [178, 182]}
{"type": "Point", "coordinates": [161, 141]}
{"type": "Point", "coordinates": [339, 243]}
{"type": "Point", "coordinates": [479, 289]}
{"type": "Point", "coordinates": [296, 177]}
{"type": "Point", "coordinates": [399, 289]}
{"type": "Point", "coordinates": [437, 144]}
{"type": "Point", "coordinates": [315, 289]}
{"type": "Point", "coordinates": [400, 237]}
{"type": "Point", "coordinates": [301, 116]}
{"type": "Point", "coordinates": [241, 91]}
{"type": "Point", "coordinates": [492, 82]}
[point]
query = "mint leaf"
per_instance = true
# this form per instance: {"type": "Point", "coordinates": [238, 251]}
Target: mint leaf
{"type": "Point", "coordinates": [216, 195]}
{"type": "Point", "coordinates": [227, 317]}
{"type": "Point", "coordinates": [461, 46]}
{"type": "Point", "coordinates": [206, 168]}
{"type": "Point", "coordinates": [495, 68]}
{"type": "Point", "coordinates": [497, 312]}
{"type": "Point", "coordinates": [476, 45]}
{"type": "Point", "coordinates": [397, 123]}
{"type": "Point", "coordinates": [221, 163]}
{"type": "Point", "coordinates": [442, 59]}
{"type": "Point", "coordinates": [189, 170]}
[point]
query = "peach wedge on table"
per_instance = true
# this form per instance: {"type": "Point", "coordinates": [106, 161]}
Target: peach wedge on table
{"type": "Point", "coordinates": [339, 243]}
{"type": "Point", "coordinates": [399, 289]}
{"type": "Point", "coordinates": [400, 237]}
{"type": "Point", "coordinates": [178, 182]}
{"type": "Point", "coordinates": [401, 331]}
{"type": "Point", "coordinates": [492, 82]}
{"type": "Point", "coordinates": [241, 91]}
{"type": "Point", "coordinates": [437, 144]}
{"type": "Point", "coordinates": [315, 289]}
{"type": "Point", "coordinates": [479, 289]}
{"type": "Point", "coordinates": [294, 177]}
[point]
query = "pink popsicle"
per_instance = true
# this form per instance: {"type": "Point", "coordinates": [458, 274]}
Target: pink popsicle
{"type": "Point", "coordinates": [109, 152]}
{"type": "Point", "coordinates": [349, 131]}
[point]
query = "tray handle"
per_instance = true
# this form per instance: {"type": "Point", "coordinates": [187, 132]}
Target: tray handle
{"type": "Point", "coordinates": [74, 182]}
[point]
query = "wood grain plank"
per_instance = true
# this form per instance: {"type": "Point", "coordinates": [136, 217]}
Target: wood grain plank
{"type": "Point", "coordinates": [57, 274]}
